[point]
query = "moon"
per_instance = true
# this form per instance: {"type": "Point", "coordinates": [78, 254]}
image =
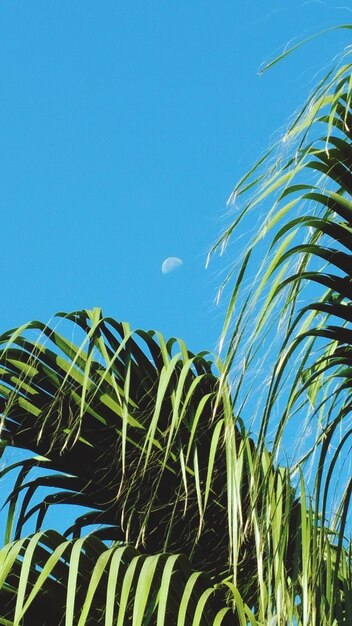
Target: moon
{"type": "Point", "coordinates": [171, 264]}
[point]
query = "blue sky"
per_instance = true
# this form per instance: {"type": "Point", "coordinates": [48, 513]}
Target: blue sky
{"type": "Point", "coordinates": [124, 126]}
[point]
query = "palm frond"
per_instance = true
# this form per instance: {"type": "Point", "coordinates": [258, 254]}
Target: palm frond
{"type": "Point", "coordinates": [124, 428]}
{"type": "Point", "coordinates": [48, 580]}
{"type": "Point", "coordinates": [299, 307]}
{"type": "Point", "coordinates": [153, 453]}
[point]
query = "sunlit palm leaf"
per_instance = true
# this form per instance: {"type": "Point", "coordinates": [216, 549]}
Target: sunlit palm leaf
{"type": "Point", "coordinates": [294, 322]}
{"type": "Point", "coordinates": [127, 430]}
{"type": "Point", "coordinates": [47, 580]}
{"type": "Point", "coordinates": [153, 452]}
{"type": "Point", "coordinates": [305, 282]}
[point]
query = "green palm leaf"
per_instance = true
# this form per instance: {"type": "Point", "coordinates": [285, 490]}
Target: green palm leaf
{"type": "Point", "coordinates": [46, 579]}
{"type": "Point", "coordinates": [305, 279]}
{"type": "Point", "coordinates": [153, 453]}
{"type": "Point", "coordinates": [103, 413]}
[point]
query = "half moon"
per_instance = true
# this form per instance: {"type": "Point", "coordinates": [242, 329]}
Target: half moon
{"type": "Point", "coordinates": [171, 264]}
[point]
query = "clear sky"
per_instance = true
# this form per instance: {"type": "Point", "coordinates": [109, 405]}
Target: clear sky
{"type": "Point", "coordinates": [123, 128]}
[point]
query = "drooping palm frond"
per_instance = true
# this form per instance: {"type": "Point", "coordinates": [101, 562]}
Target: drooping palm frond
{"type": "Point", "coordinates": [288, 331]}
{"type": "Point", "coordinates": [141, 433]}
{"type": "Point", "coordinates": [125, 428]}
{"type": "Point", "coordinates": [138, 431]}
{"type": "Point", "coordinates": [299, 309]}
{"type": "Point", "coordinates": [48, 580]}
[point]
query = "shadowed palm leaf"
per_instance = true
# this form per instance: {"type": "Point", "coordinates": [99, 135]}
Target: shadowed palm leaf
{"type": "Point", "coordinates": [128, 430]}
{"type": "Point", "coordinates": [85, 582]}
{"type": "Point", "coordinates": [140, 438]}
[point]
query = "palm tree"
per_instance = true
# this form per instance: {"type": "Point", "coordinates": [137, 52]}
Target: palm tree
{"type": "Point", "coordinates": [184, 519]}
{"type": "Point", "coordinates": [136, 431]}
